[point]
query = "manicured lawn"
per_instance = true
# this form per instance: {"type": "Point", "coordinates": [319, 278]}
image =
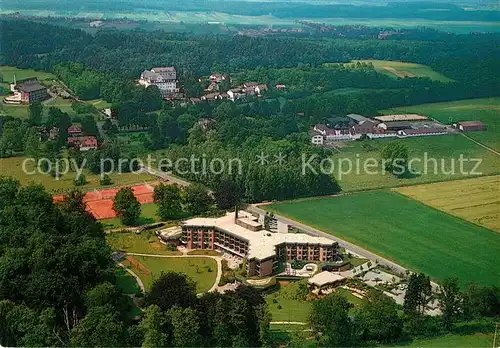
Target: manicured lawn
{"type": "Point", "coordinates": [406, 231]}
{"type": "Point", "coordinates": [126, 282]}
{"type": "Point", "coordinates": [476, 200]}
{"type": "Point", "coordinates": [291, 310]}
{"type": "Point", "coordinates": [8, 73]}
{"type": "Point", "coordinates": [148, 215]}
{"type": "Point", "coordinates": [351, 165]}
{"type": "Point", "coordinates": [401, 69]}
{"type": "Point", "coordinates": [13, 166]}
{"type": "Point", "coordinates": [202, 270]}
{"type": "Point", "coordinates": [145, 243]}
{"type": "Point", "coordinates": [483, 109]}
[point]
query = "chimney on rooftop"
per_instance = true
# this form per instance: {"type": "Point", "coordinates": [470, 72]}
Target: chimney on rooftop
{"type": "Point", "coordinates": [236, 211]}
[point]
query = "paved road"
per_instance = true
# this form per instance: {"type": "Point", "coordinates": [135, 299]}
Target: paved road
{"type": "Point", "coordinates": [343, 243]}
{"type": "Point", "coordinates": [165, 176]}
{"type": "Point", "coordinates": [217, 259]}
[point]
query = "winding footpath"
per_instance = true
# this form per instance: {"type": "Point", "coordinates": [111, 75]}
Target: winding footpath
{"type": "Point", "coordinates": [138, 280]}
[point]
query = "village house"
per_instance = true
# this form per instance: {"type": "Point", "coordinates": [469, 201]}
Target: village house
{"type": "Point", "coordinates": [165, 78]}
{"type": "Point", "coordinates": [216, 77]}
{"type": "Point", "coordinates": [83, 143]}
{"type": "Point", "coordinates": [235, 93]}
{"type": "Point", "coordinates": [260, 88]}
{"type": "Point", "coordinates": [467, 126]}
{"type": "Point", "coordinates": [74, 130]}
{"type": "Point", "coordinates": [211, 96]}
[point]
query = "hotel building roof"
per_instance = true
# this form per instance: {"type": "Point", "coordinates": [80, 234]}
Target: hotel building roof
{"type": "Point", "coordinates": [262, 243]}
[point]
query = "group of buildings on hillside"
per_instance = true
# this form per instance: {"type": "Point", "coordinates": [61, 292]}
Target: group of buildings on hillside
{"type": "Point", "coordinates": [165, 78]}
{"type": "Point", "coordinates": [245, 90]}
{"type": "Point", "coordinates": [355, 127]}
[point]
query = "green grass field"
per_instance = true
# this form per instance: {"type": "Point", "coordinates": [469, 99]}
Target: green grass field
{"type": "Point", "coordinates": [473, 341]}
{"type": "Point", "coordinates": [202, 270]}
{"type": "Point", "coordinates": [443, 148]}
{"type": "Point", "coordinates": [291, 309]}
{"type": "Point", "coordinates": [401, 69]}
{"type": "Point", "coordinates": [145, 243]}
{"type": "Point", "coordinates": [8, 73]}
{"type": "Point", "coordinates": [406, 231]}
{"type": "Point", "coordinates": [476, 200]}
{"type": "Point", "coordinates": [13, 166]}
{"type": "Point", "coordinates": [126, 282]}
{"type": "Point", "coordinates": [21, 110]}
{"type": "Point", "coordinates": [483, 109]}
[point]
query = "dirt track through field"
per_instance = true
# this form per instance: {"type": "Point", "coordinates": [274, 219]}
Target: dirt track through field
{"type": "Point", "coordinates": [482, 145]}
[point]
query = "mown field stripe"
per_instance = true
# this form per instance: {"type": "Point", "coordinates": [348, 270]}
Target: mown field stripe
{"type": "Point", "coordinates": [412, 234]}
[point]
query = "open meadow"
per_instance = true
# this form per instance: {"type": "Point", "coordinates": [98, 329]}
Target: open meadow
{"type": "Point", "coordinates": [13, 166]}
{"type": "Point", "coordinates": [482, 109]}
{"type": "Point", "coordinates": [8, 73]}
{"type": "Point", "coordinates": [406, 231]}
{"type": "Point", "coordinates": [402, 69]}
{"type": "Point", "coordinates": [202, 270]}
{"type": "Point", "coordinates": [145, 243]}
{"type": "Point", "coordinates": [476, 200]}
{"type": "Point", "coordinates": [445, 149]}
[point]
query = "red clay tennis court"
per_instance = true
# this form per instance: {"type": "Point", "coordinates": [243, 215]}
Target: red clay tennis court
{"type": "Point", "coordinates": [100, 202]}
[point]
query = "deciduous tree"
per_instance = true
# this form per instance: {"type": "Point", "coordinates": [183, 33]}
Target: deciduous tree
{"type": "Point", "coordinates": [450, 301]}
{"type": "Point", "coordinates": [171, 289]}
{"type": "Point", "coordinates": [330, 321]}
{"type": "Point", "coordinates": [395, 155]}
{"type": "Point", "coordinates": [197, 199]}
{"type": "Point", "coordinates": [168, 199]}
{"type": "Point", "coordinates": [377, 318]}
{"type": "Point", "coordinates": [126, 206]}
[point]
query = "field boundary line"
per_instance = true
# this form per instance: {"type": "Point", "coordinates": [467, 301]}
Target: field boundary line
{"type": "Point", "coordinates": [444, 212]}
{"type": "Point", "coordinates": [481, 144]}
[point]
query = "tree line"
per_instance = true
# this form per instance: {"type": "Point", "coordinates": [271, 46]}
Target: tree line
{"type": "Point", "coordinates": [58, 286]}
